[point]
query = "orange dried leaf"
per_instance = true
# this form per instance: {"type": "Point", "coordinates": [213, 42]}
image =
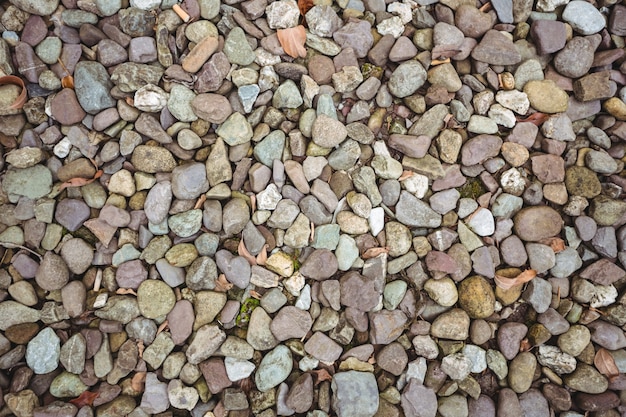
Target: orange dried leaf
{"type": "Point", "coordinates": [304, 6]}
{"type": "Point", "coordinates": [556, 243]}
{"type": "Point", "coordinates": [138, 381]}
{"type": "Point", "coordinates": [605, 363]}
{"type": "Point", "coordinates": [536, 118]}
{"type": "Point", "coordinates": [292, 40]}
{"type": "Point", "coordinates": [507, 283]}
{"type": "Point", "coordinates": [200, 202]}
{"type": "Point", "coordinates": [405, 175]}
{"type": "Point", "coordinates": [67, 82]}
{"type": "Point", "coordinates": [243, 252]}
{"type": "Point", "coordinates": [79, 181]}
{"type": "Point", "coordinates": [86, 398]}
{"type": "Point", "coordinates": [374, 252]}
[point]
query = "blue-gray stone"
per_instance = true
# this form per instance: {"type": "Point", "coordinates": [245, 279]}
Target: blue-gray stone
{"type": "Point", "coordinates": [43, 351]}
{"type": "Point", "coordinates": [274, 368]}
{"type": "Point", "coordinates": [355, 394]}
{"type": "Point", "coordinates": [270, 148]}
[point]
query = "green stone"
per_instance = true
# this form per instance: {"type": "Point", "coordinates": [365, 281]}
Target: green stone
{"type": "Point", "coordinates": [33, 182]}
{"type": "Point", "coordinates": [67, 385]}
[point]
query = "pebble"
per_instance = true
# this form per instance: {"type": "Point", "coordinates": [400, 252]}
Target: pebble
{"type": "Point", "coordinates": [274, 368]}
{"type": "Point", "coordinates": [354, 384]}
{"type": "Point", "coordinates": [344, 176]}
{"type": "Point", "coordinates": [43, 351]}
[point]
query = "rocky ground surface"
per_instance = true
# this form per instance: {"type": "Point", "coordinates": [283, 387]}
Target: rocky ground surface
{"type": "Point", "coordinates": [421, 215]}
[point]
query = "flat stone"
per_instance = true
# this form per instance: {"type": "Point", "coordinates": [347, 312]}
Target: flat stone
{"type": "Point", "coordinates": [348, 387]}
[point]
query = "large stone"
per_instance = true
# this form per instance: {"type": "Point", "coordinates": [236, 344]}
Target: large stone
{"type": "Point", "coordinates": [349, 391]}
{"type": "Point", "coordinates": [532, 224]}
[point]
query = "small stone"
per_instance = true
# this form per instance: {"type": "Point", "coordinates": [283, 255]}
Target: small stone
{"type": "Point", "coordinates": [476, 297]}
{"type": "Point", "coordinates": [274, 368]}
{"type": "Point", "coordinates": [43, 351]}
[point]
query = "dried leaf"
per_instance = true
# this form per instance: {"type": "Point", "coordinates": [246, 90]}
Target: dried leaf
{"type": "Point", "coordinates": [138, 381]}
{"type": "Point", "coordinates": [524, 345]}
{"type": "Point", "coordinates": [507, 283]}
{"type": "Point", "coordinates": [200, 202]}
{"type": "Point", "coordinates": [79, 181]}
{"type": "Point", "coordinates": [255, 294]}
{"type": "Point", "coordinates": [243, 252]}
{"type": "Point", "coordinates": [124, 291]}
{"type": "Point", "coordinates": [322, 375]}
{"type": "Point", "coordinates": [21, 99]}
{"type": "Point", "coordinates": [536, 118]}
{"type": "Point", "coordinates": [140, 348]}
{"type": "Point", "coordinates": [163, 326]}
{"type": "Point", "coordinates": [253, 203]}
{"type": "Point", "coordinates": [67, 82]}
{"type": "Point", "coordinates": [292, 40]}
{"type": "Point", "coordinates": [374, 252]}
{"type": "Point", "coordinates": [556, 243]}
{"type": "Point", "coordinates": [261, 258]}
{"type": "Point", "coordinates": [405, 175]}
{"type": "Point", "coordinates": [222, 284]}
{"type": "Point", "coordinates": [86, 398]}
{"type": "Point", "coordinates": [605, 363]}
{"type": "Point", "coordinates": [304, 6]}
{"type": "Point", "coordinates": [312, 237]}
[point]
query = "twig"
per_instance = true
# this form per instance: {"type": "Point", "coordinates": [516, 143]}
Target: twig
{"type": "Point", "coordinates": [9, 245]}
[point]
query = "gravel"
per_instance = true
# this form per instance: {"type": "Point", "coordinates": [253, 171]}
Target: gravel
{"type": "Point", "coordinates": [418, 212]}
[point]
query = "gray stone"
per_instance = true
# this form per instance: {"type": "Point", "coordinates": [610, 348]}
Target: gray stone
{"type": "Point", "coordinates": [274, 368]}
{"type": "Point", "coordinates": [93, 86]}
{"type": "Point", "coordinates": [43, 351]}
{"type": "Point", "coordinates": [349, 390]}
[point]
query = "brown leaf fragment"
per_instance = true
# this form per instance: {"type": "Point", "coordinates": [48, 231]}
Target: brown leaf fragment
{"type": "Point", "coordinates": [86, 398]}
{"type": "Point", "coordinates": [124, 291]}
{"type": "Point", "coordinates": [374, 252]}
{"type": "Point", "coordinates": [222, 284]}
{"type": "Point", "coordinates": [507, 283]}
{"type": "Point", "coordinates": [243, 252]}
{"type": "Point", "coordinates": [292, 40]}
{"type": "Point", "coordinates": [21, 99]}
{"type": "Point", "coordinates": [261, 258]}
{"type": "Point", "coordinates": [140, 348]}
{"type": "Point", "coordinates": [524, 345]}
{"type": "Point", "coordinates": [138, 381]}
{"type": "Point", "coordinates": [67, 82]}
{"type": "Point", "coordinates": [305, 5]}
{"type": "Point", "coordinates": [536, 118]}
{"type": "Point", "coordinates": [322, 375]}
{"type": "Point", "coordinates": [605, 363]}
{"type": "Point", "coordinates": [200, 202]}
{"type": "Point", "coordinates": [163, 326]}
{"type": "Point", "coordinates": [556, 243]}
